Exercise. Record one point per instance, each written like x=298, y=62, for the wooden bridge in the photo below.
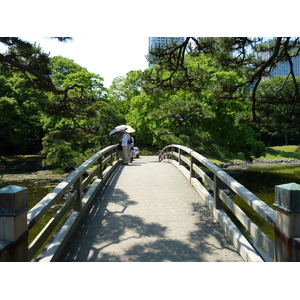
x=159, y=208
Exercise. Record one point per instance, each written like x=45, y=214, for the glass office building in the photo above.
x=282, y=68
x=160, y=42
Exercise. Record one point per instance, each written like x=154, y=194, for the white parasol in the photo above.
x=129, y=129
x=118, y=129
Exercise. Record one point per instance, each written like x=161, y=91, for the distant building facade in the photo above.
x=160, y=42
x=282, y=68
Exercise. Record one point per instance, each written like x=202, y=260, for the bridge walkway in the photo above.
x=148, y=212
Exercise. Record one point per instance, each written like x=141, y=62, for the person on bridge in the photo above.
x=126, y=150
x=130, y=146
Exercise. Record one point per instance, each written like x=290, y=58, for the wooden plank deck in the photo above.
x=148, y=212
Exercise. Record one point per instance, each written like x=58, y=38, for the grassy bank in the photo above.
x=274, y=153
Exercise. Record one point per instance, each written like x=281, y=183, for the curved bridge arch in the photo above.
x=79, y=189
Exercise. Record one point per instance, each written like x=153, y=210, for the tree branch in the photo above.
x=282, y=86
x=258, y=75
x=25, y=68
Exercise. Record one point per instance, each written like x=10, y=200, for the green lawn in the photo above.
x=279, y=152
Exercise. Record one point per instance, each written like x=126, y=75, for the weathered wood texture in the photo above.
x=81, y=196
x=13, y=221
x=77, y=194
x=191, y=167
x=287, y=230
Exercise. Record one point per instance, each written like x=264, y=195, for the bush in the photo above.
x=61, y=155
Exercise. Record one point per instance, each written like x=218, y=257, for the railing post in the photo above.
x=168, y=153
x=13, y=224
x=287, y=227
x=119, y=154
x=192, y=171
x=111, y=157
x=78, y=188
x=179, y=156
x=100, y=173
x=217, y=185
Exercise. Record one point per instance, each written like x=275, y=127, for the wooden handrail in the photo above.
x=39, y=210
x=190, y=160
x=74, y=185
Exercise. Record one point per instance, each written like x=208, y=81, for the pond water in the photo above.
x=37, y=190
x=261, y=179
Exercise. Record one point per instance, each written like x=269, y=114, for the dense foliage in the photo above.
x=278, y=111
x=67, y=126
x=20, y=114
x=206, y=97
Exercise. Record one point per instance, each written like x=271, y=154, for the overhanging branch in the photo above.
x=25, y=68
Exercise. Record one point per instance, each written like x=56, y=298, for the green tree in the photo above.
x=278, y=111
x=30, y=59
x=54, y=99
x=20, y=111
x=61, y=67
x=122, y=90
x=242, y=54
x=205, y=115
x=73, y=126
x=123, y=97
x=139, y=117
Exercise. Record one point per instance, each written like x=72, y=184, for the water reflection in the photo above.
x=37, y=189
x=261, y=179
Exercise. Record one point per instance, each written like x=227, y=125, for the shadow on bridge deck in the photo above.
x=148, y=212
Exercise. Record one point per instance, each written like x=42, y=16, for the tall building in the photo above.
x=282, y=68
x=160, y=42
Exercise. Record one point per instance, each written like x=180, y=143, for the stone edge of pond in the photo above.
x=293, y=161
x=41, y=175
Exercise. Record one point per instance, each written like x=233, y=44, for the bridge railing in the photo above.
x=73, y=197
x=216, y=191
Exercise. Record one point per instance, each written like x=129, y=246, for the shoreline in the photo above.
x=38, y=176
x=19, y=168
x=33, y=172
x=292, y=161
